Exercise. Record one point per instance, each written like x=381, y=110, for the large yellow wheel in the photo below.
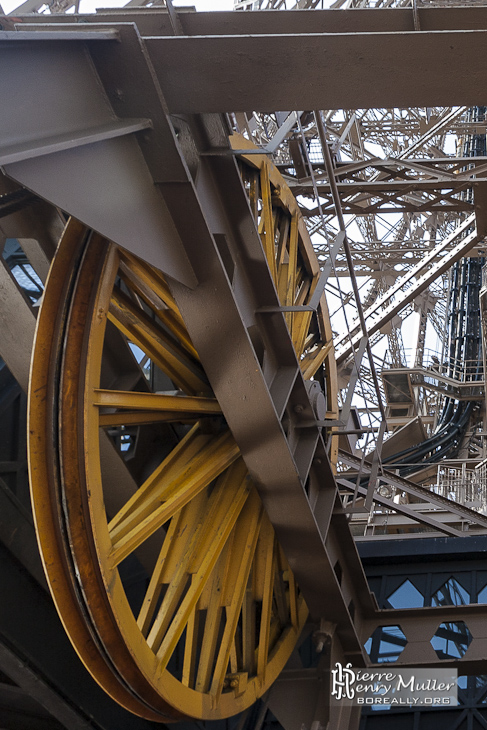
x=219, y=612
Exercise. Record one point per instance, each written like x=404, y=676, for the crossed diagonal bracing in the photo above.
x=412, y=186
x=461, y=514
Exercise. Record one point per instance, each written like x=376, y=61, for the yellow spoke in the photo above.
x=151, y=597
x=282, y=258
x=313, y=360
x=268, y=541
x=156, y=402
x=190, y=649
x=268, y=222
x=141, y=418
x=225, y=504
x=193, y=442
x=243, y=549
x=302, y=287
x=212, y=624
x=282, y=284
x=282, y=253
x=249, y=627
x=254, y=193
x=301, y=320
x=179, y=534
x=280, y=591
x=165, y=351
x=291, y=279
x=234, y=654
x=301, y=323
x=293, y=259
x=170, y=318
x=153, y=279
x=173, y=487
x=293, y=599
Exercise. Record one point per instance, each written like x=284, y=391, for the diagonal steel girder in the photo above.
x=440, y=168
x=401, y=509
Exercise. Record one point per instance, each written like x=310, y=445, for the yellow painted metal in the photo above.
x=172, y=492
x=42, y=459
x=268, y=543
x=141, y=418
x=156, y=402
x=233, y=592
x=294, y=267
x=221, y=612
x=146, y=283
x=165, y=352
x=267, y=221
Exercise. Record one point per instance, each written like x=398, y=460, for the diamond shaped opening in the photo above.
x=406, y=596
x=451, y=593
x=451, y=640
x=482, y=597
x=385, y=644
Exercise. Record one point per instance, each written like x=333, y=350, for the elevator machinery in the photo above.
x=183, y=410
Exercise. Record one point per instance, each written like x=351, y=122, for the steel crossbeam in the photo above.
x=432, y=379
x=437, y=170
x=435, y=69
x=419, y=625
x=394, y=197
x=351, y=47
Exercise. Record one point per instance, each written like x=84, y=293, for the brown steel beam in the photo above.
x=73, y=129
x=419, y=626
x=388, y=186
x=320, y=70
x=216, y=73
